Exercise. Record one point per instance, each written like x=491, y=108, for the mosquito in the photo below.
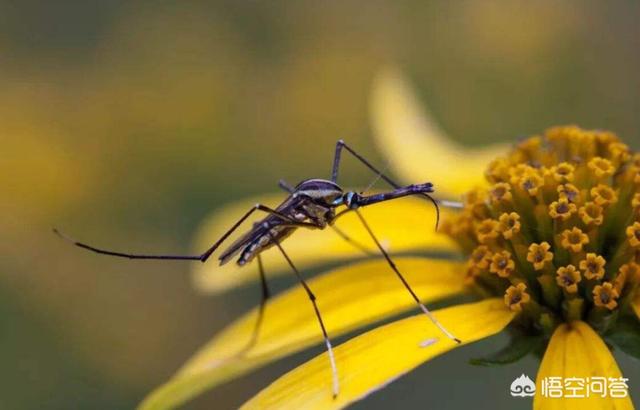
x=312, y=204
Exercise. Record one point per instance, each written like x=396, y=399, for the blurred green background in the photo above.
x=126, y=123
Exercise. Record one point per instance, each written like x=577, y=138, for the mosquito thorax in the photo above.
x=321, y=190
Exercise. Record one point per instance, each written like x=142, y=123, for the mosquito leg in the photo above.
x=403, y=280
x=204, y=256
x=312, y=298
x=282, y=184
x=352, y=241
x=336, y=165
x=265, y=294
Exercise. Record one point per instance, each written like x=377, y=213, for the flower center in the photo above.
x=557, y=233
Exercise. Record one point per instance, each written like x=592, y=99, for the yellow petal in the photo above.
x=406, y=224
x=371, y=361
x=418, y=150
x=575, y=350
x=348, y=297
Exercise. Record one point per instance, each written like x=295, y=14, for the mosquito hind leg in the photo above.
x=202, y=257
x=264, y=297
x=403, y=280
x=312, y=298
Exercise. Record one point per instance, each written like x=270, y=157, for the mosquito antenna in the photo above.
x=435, y=203
x=376, y=178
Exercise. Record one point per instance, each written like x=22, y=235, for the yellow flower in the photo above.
x=573, y=239
x=593, y=266
x=516, y=296
x=568, y=278
x=512, y=236
x=591, y=214
x=539, y=255
x=502, y=264
x=509, y=224
x=605, y=296
x=562, y=209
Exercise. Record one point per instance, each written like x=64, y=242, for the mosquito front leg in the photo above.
x=403, y=280
x=336, y=163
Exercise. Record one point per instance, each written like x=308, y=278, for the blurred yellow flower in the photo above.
x=522, y=235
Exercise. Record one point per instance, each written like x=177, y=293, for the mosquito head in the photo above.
x=321, y=191
x=351, y=200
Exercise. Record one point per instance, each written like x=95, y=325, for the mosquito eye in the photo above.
x=348, y=199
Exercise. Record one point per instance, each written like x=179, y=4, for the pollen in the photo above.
x=502, y=264
x=516, y=296
x=574, y=239
x=557, y=229
x=631, y=271
x=500, y=193
x=601, y=167
x=591, y=214
x=619, y=152
x=604, y=195
x=593, y=266
x=563, y=172
x=531, y=182
x=487, y=230
x=568, y=192
x=633, y=233
x=635, y=202
x=562, y=209
x=539, y=255
x=498, y=170
x=516, y=173
x=481, y=257
x=568, y=278
x=475, y=202
x=605, y=295
x=509, y=224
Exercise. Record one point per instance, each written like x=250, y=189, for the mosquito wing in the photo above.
x=258, y=231
x=254, y=234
